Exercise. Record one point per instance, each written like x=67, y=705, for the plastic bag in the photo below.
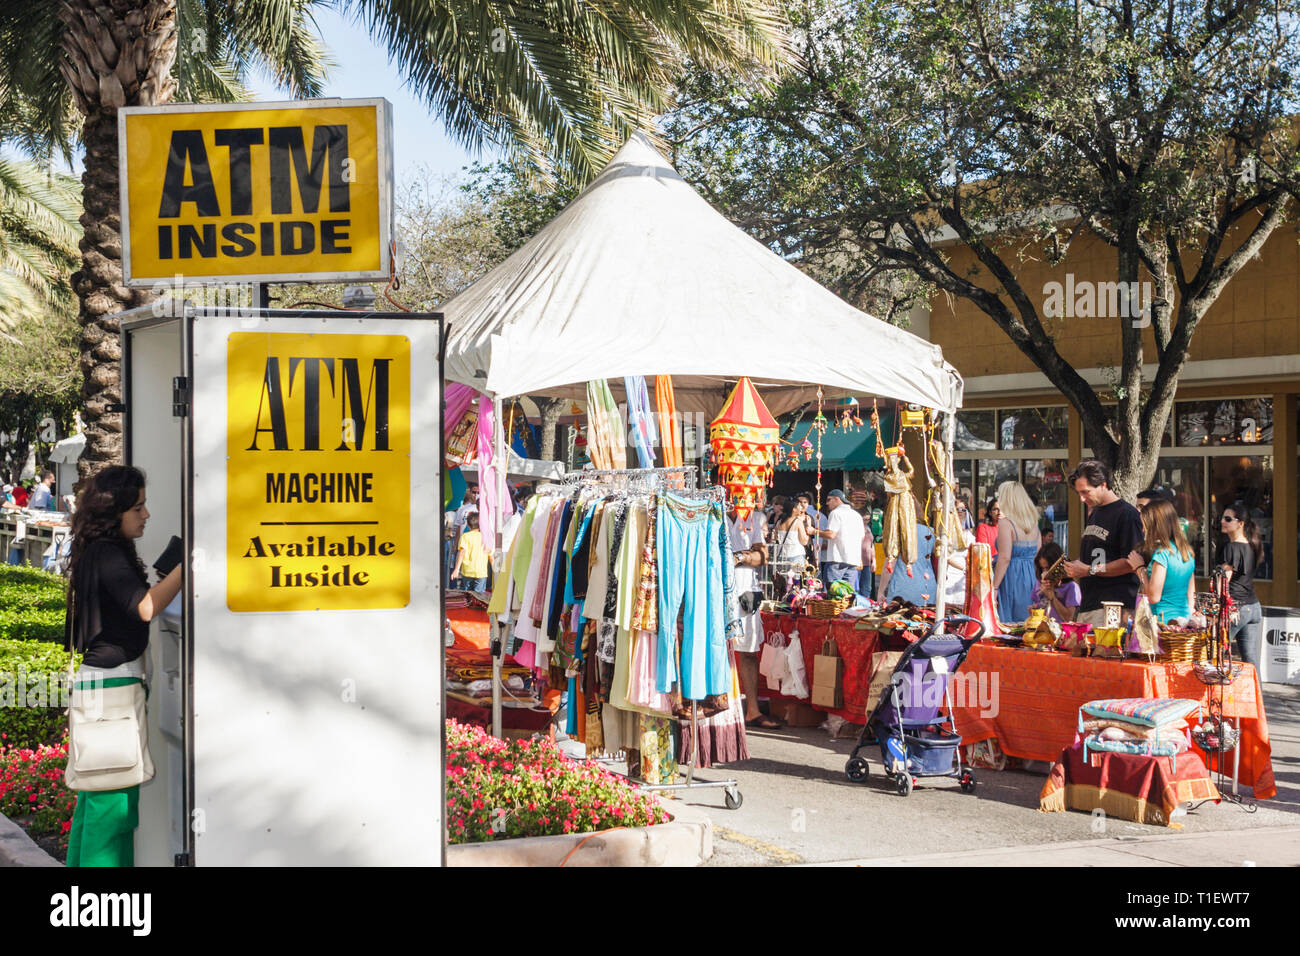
x=796, y=684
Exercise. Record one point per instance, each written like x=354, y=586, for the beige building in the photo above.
x=1233, y=434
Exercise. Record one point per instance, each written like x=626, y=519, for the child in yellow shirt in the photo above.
x=471, y=558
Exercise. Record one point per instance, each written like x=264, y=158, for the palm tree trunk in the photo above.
x=116, y=53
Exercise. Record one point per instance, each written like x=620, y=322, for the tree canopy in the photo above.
x=1165, y=128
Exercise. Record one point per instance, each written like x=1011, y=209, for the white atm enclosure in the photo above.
x=284, y=734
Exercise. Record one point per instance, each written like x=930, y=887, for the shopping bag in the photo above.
x=882, y=666
x=828, y=677
x=1146, y=632
x=796, y=683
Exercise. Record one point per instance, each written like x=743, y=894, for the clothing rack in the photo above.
x=644, y=480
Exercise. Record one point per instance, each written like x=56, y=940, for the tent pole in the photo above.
x=949, y=433
x=498, y=560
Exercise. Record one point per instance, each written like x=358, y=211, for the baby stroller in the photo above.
x=912, y=722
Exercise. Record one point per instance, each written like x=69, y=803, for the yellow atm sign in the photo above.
x=281, y=192
x=318, y=455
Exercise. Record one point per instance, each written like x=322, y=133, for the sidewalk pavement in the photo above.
x=1275, y=846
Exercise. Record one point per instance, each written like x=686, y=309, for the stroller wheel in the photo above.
x=857, y=769
x=967, y=782
x=903, y=783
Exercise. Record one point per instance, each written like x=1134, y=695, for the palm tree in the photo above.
x=558, y=82
x=38, y=241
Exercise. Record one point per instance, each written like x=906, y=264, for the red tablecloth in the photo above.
x=1141, y=789
x=855, y=646
x=1029, y=701
x=470, y=625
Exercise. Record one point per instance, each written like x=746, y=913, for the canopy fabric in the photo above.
x=640, y=276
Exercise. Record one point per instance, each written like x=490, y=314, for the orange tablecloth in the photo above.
x=470, y=625
x=1029, y=701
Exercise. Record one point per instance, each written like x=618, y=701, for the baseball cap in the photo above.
x=837, y=494
x=1157, y=491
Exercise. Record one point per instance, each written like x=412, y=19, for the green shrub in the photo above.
x=32, y=604
x=31, y=681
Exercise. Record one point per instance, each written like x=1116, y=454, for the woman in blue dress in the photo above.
x=1018, y=542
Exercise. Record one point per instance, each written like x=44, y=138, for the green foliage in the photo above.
x=915, y=127
x=32, y=604
x=39, y=233
x=32, y=692
x=521, y=203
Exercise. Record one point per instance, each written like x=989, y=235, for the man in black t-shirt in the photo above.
x=1112, y=536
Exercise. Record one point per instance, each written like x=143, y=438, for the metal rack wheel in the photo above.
x=733, y=798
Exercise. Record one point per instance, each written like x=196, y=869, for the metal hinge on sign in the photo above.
x=183, y=859
x=180, y=396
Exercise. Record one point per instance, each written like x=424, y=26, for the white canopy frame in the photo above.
x=638, y=275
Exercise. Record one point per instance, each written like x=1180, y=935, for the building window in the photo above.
x=1032, y=428
x=1185, y=477
x=976, y=430
x=1247, y=479
x=1234, y=421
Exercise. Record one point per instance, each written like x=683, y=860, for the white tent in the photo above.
x=640, y=276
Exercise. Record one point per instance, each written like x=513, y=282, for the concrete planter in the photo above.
x=686, y=840
x=18, y=849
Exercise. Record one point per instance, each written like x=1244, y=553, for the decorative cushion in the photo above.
x=1147, y=711
x=1152, y=748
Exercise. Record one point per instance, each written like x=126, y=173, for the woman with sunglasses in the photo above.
x=1240, y=555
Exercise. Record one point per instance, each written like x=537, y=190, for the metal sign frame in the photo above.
x=384, y=157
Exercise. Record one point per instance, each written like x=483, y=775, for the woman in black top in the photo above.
x=110, y=607
x=1239, y=555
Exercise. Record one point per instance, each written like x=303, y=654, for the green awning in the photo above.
x=848, y=450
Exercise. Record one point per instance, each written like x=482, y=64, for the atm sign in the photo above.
x=279, y=192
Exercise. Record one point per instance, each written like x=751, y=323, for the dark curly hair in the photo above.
x=105, y=497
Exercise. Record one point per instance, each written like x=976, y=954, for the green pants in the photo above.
x=103, y=828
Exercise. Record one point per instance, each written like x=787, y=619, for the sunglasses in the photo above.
x=1228, y=518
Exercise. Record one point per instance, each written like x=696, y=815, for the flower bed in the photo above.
x=498, y=790
x=32, y=794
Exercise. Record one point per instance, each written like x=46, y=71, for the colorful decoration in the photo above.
x=743, y=439
x=849, y=418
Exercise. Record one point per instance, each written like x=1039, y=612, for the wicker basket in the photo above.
x=828, y=607
x=1184, y=648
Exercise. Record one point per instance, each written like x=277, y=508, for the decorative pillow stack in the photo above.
x=1149, y=726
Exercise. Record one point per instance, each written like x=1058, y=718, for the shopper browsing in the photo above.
x=1018, y=542
x=1239, y=555
x=43, y=494
x=1060, y=600
x=1112, y=537
x=749, y=552
x=1171, y=575
x=842, y=557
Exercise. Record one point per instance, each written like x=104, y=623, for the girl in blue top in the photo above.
x=1171, y=574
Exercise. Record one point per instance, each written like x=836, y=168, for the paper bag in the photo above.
x=828, y=677
x=1109, y=642
x=882, y=666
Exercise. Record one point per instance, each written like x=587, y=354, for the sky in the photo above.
x=362, y=70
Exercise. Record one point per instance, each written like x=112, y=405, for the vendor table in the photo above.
x=855, y=645
x=1037, y=695
x=39, y=532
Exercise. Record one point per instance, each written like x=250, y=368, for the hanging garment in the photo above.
x=900, y=510
x=722, y=736
x=658, y=751
x=669, y=427
x=576, y=589
x=598, y=576
x=605, y=443
x=641, y=420
x=617, y=532
x=934, y=511
x=555, y=604
x=519, y=567
x=980, y=603
x=629, y=564
x=691, y=583
x=525, y=629
x=643, y=690
x=645, y=615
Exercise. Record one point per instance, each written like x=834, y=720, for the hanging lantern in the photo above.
x=807, y=447
x=743, y=438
